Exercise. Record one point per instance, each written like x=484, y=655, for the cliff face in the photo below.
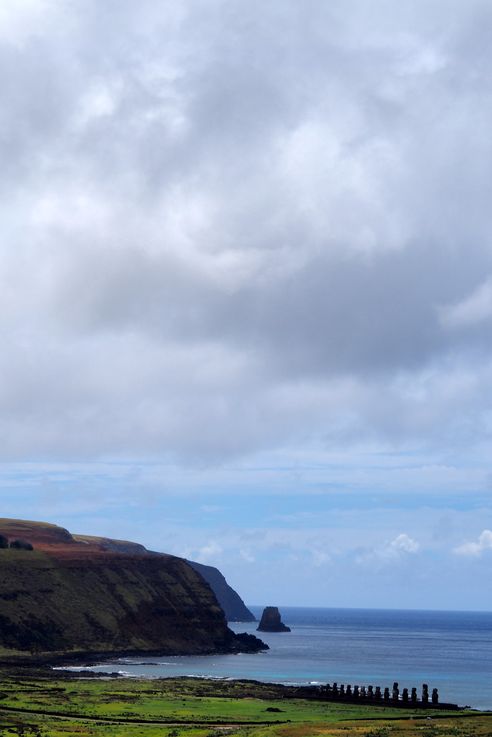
x=234, y=607
x=88, y=595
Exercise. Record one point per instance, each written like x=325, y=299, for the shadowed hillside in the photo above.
x=77, y=594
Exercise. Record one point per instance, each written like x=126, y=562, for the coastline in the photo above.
x=63, y=703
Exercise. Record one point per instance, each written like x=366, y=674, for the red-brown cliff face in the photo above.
x=80, y=594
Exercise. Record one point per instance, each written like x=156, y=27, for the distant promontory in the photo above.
x=234, y=607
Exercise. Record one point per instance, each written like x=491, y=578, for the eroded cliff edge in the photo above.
x=82, y=595
x=234, y=607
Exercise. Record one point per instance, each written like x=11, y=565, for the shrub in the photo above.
x=21, y=545
x=4, y=543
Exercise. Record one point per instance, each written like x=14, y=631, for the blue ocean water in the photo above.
x=451, y=651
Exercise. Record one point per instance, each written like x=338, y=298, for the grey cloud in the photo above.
x=228, y=227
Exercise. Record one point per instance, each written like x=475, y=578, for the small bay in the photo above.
x=451, y=651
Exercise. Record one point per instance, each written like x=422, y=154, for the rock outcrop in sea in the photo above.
x=78, y=595
x=271, y=621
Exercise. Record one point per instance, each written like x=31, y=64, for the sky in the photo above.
x=246, y=288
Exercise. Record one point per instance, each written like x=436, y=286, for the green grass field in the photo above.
x=45, y=707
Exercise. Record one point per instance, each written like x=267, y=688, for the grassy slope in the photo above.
x=102, y=708
x=110, y=603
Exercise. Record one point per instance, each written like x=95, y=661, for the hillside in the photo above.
x=80, y=594
x=234, y=607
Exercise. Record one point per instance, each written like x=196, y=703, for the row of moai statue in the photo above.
x=374, y=694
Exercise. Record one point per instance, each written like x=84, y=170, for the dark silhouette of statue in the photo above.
x=374, y=694
x=396, y=691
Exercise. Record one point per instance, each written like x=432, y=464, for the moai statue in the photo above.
x=356, y=692
x=414, y=696
x=348, y=690
x=404, y=696
x=363, y=692
x=370, y=692
x=377, y=695
x=396, y=691
x=342, y=690
x=386, y=696
x=334, y=690
x=435, y=696
x=425, y=693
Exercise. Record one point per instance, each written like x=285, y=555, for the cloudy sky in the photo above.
x=246, y=288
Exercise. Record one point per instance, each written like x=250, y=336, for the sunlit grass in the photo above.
x=191, y=708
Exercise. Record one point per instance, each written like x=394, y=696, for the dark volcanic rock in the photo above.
x=271, y=621
x=247, y=643
x=234, y=607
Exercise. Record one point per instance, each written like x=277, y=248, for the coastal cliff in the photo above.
x=234, y=607
x=82, y=595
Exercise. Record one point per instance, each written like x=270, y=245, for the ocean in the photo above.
x=451, y=651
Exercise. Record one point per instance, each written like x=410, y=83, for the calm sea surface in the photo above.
x=448, y=650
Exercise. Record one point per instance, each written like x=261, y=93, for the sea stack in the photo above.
x=271, y=621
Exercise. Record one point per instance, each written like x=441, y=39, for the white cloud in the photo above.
x=404, y=543
x=320, y=557
x=20, y=21
x=472, y=310
x=208, y=553
x=247, y=555
x=390, y=552
x=475, y=549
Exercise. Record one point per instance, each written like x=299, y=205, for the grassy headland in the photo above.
x=79, y=595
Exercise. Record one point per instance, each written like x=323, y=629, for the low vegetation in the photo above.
x=66, y=706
